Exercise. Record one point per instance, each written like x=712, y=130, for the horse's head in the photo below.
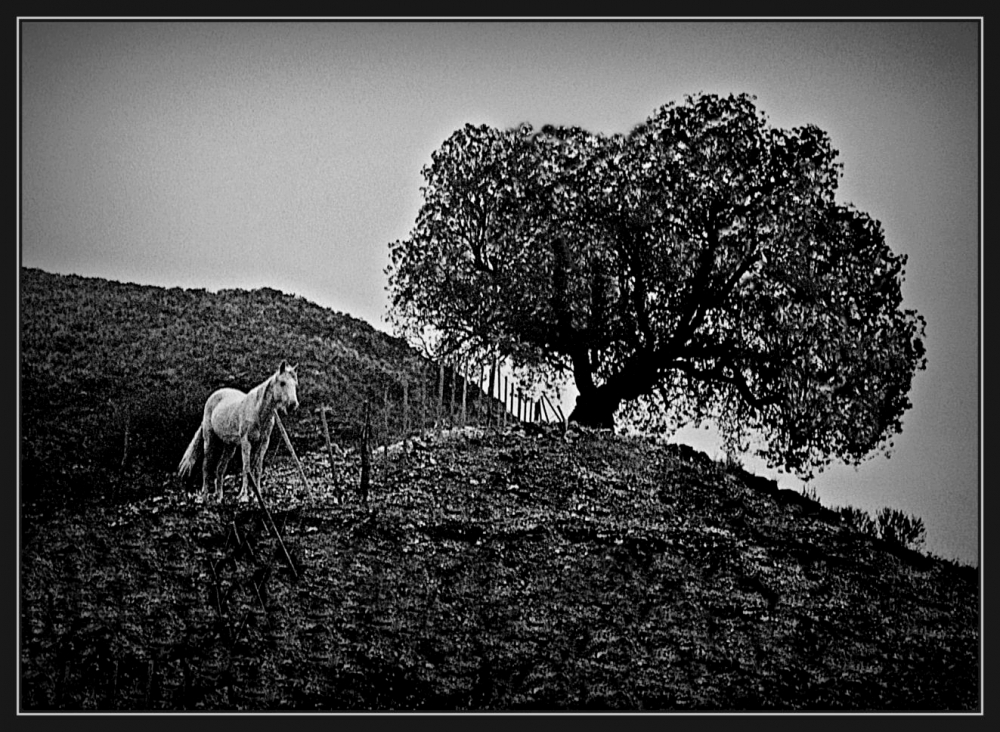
x=286, y=382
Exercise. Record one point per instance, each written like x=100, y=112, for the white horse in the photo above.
x=233, y=419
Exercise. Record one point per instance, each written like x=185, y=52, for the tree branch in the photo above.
x=737, y=380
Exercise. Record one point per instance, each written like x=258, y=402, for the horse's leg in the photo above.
x=258, y=462
x=220, y=473
x=245, y=444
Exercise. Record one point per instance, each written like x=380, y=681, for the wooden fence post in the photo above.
x=406, y=413
x=277, y=534
x=482, y=391
x=451, y=408
x=385, y=426
x=545, y=410
x=492, y=392
x=329, y=445
x=288, y=444
x=366, y=458
x=440, y=404
x=423, y=398
x=556, y=409
x=513, y=402
x=465, y=386
x=504, y=400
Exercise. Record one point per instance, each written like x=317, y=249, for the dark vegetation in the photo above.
x=530, y=569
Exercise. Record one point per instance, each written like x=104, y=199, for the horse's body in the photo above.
x=233, y=420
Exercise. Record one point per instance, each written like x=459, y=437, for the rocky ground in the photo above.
x=517, y=571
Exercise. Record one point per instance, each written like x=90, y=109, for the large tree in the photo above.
x=696, y=268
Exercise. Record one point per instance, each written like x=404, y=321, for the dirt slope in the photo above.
x=490, y=572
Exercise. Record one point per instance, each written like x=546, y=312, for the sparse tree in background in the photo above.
x=696, y=268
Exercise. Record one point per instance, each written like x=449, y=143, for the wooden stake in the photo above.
x=451, y=409
x=465, y=387
x=406, y=415
x=492, y=393
x=288, y=444
x=329, y=445
x=482, y=390
x=423, y=398
x=440, y=405
x=504, y=400
x=385, y=427
x=556, y=409
x=366, y=458
x=274, y=528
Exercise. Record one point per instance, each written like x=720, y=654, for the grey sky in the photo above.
x=288, y=155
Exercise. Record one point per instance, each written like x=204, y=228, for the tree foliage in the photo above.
x=696, y=268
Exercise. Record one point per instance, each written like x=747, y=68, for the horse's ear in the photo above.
x=283, y=367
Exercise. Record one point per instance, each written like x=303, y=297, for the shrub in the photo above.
x=890, y=525
x=858, y=520
x=898, y=528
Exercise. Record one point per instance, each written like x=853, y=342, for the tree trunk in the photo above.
x=596, y=408
x=596, y=405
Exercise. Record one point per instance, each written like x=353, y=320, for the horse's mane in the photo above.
x=259, y=392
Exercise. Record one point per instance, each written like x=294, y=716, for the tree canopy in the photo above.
x=698, y=267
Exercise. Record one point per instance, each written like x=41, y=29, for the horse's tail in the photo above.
x=191, y=456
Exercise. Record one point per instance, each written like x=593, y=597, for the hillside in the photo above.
x=527, y=569
x=114, y=376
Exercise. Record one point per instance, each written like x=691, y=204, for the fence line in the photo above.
x=452, y=395
x=494, y=402
x=460, y=394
